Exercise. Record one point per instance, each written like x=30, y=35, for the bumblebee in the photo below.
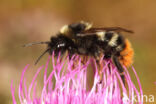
x=83, y=39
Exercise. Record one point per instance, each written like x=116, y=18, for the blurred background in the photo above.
x=25, y=21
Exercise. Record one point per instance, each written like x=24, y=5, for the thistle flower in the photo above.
x=70, y=85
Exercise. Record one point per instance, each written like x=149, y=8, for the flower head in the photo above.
x=70, y=85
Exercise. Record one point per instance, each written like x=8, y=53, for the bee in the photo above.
x=83, y=39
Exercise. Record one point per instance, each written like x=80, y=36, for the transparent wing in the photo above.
x=94, y=30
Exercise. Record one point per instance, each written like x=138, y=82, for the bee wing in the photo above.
x=93, y=31
x=117, y=29
x=85, y=34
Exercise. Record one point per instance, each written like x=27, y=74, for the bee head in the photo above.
x=75, y=27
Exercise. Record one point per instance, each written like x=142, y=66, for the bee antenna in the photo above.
x=34, y=43
x=41, y=56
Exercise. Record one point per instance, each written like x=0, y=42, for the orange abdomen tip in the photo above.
x=126, y=55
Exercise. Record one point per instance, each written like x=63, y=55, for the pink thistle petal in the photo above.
x=20, y=91
x=25, y=89
x=71, y=82
x=141, y=92
x=13, y=93
x=46, y=67
x=34, y=78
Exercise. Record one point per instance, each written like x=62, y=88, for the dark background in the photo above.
x=24, y=21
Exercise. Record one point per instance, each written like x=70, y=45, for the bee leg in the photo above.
x=70, y=54
x=99, y=71
x=107, y=56
x=71, y=51
x=99, y=66
x=119, y=67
